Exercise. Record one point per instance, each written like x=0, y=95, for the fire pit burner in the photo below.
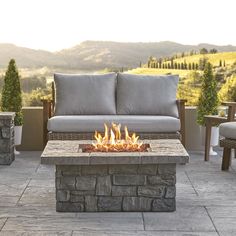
x=90, y=148
x=112, y=141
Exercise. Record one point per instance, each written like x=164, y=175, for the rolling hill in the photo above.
x=28, y=58
x=94, y=55
x=214, y=59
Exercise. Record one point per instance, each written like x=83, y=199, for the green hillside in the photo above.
x=214, y=59
x=190, y=80
x=97, y=55
x=152, y=71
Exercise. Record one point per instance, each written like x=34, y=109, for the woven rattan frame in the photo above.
x=89, y=136
x=228, y=143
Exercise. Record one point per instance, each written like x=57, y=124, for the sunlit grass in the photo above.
x=152, y=71
x=228, y=57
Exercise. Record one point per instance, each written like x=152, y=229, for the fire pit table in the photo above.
x=115, y=181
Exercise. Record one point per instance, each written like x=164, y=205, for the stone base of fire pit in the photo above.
x=115, y=188
x=138, y=181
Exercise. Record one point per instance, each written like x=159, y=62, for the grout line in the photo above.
x=72, y=232
x=36, y=170
x=144, y=227
x=191, y=183
x=23, y=191
x=133, y=230
x=212, y=221
x=4, y=224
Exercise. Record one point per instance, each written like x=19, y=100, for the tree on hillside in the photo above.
x=202, y=63
x=220, y=63
x=175, y=65
x=185, y=65
x=150, y=60
x=160, y=63
x=172, y=62
x=213, y=51
x=189, y=66
x=203, y=51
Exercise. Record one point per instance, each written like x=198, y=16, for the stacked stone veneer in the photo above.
x=92, y=188
x=7, y=138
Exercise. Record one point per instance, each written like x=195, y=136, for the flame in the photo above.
x=112, y=140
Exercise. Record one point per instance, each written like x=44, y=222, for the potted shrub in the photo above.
x=12, y=98
x=208, y=104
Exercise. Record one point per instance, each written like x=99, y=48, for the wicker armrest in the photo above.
x=48, y=108
x=181, y=109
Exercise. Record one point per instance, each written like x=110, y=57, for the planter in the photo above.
x=17, y=136
x=214, y=138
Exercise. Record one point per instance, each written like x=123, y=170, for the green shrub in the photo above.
x=227, y=92
x=34, y=98
x=11, y=93
x=208, y=100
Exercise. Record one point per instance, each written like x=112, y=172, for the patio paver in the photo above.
x=190, y=219
x=35, y=233
x=206, y=204
x=142, y=233
x=2, y=222
x=122, y=222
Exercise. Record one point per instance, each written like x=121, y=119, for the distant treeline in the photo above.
x=170, y=63
x=33, y=89
x=159, y=64
x=29, y=83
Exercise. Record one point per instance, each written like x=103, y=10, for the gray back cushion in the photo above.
x=147, y=94
x=85, y=94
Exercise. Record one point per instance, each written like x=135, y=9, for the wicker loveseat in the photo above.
x=81, y=104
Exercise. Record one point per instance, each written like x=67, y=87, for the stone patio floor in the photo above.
x=206, y=204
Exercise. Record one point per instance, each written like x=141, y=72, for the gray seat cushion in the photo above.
x=85, y=94
x=149, y=124
x=228, y=130
x=147, y=94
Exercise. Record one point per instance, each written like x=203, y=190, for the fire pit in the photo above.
x=112, y=141
x=103, y=175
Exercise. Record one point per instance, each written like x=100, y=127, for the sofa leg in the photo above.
x=226, y=159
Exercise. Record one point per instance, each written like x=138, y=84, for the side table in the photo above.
x=213, y=120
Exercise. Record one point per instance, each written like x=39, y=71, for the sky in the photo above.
x=56, y=24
